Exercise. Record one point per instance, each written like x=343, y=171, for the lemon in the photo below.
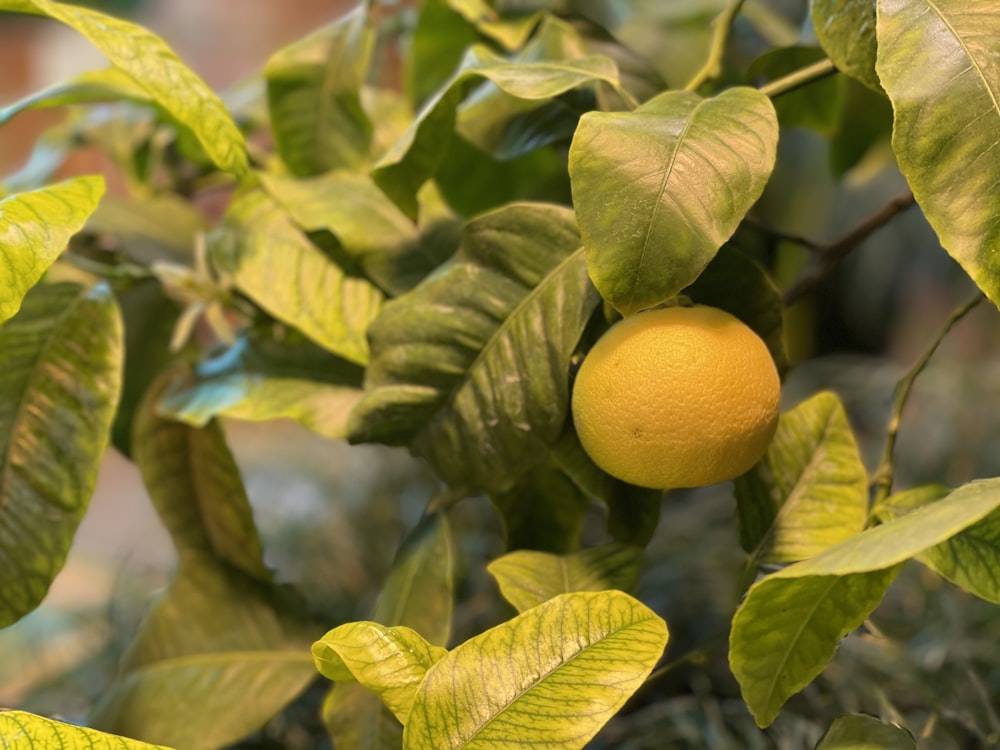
x=677, y=397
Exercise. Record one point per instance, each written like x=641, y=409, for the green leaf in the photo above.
x=416, y=156
x=260, y=380
x=34, y=230
x=390, y=661
x=938, y=63
x=355, y=717
x=809, y=492
x=659, y=190
x=153, y=66
x=515, y=684
x=736, y=283
x=970, y=559
x=196, y=488
x=860, y=732
x=387, y=245
x=23, y=731
x=111, y=84
x=528, y=578
x=60, y=378
x=865, y=124
x=846, y=30
x=437, y=45
x=816, y=106
x=150, y=228
x=471, y=367
x=633, y=512
x=419, y=591
x=218, y=656
x=313, y=89
x=511, y=33
x=417, y=594
x=274, y=264
x=542, y=510
x=791, y=622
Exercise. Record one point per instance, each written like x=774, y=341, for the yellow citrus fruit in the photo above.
x=677, y=397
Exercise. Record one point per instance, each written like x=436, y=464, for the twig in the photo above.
x=882, y=480
x=721, y=28
x=799, y=78
x=830, y=254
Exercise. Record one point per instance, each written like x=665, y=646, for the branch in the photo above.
x=721, y=26
x=799, y=78
x=882, y=480
x=828, y=255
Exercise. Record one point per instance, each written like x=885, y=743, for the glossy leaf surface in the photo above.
x=809, y=492
x=314, y=93
x=938, y=62
x=34, y=230
x=846, y=29
x=970, y=559
x=390, y=661
x=658, y=190
x=60, y=379
x=528, y=578
x=271, y=261
x=549, y=678
x=790, y=622
x=20, y=730
x=471, y=367
x=157, y=69
x=414, y=158
x=262, y=380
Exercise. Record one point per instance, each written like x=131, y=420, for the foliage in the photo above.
x=425, y=266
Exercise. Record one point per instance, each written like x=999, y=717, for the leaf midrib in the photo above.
x=932, y=4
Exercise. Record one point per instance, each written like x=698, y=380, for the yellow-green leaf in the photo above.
x=34, y=230
x=860, y=732
x=23, y=731
x=390, y=661
x=157, y=69
x=528, y=578
x=550, y=678
x=939, y=62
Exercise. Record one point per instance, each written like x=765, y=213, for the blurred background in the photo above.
x=332, y=515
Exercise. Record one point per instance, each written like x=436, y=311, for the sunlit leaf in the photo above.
x=112, y=84
x=846, y=30
x=809, y=492
x=260, y=380
x=313, y=89
x=218, y=656
x=970, y=559
x=528, y=578
x=388, y=246
x=23, y=731
x=415, y=157
x=471, y=367
x=938, y=62
x=658, y=190
x=60, y=378
x=511, y=33
x=271, y=261
x=542, y=510
x=390, y=661
x=153, y=66
x=34, y=230
x=860, y=732
x=791, y=622
x=515, y=684
x=196, y=488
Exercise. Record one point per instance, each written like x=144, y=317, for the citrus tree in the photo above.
x=433, y=220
